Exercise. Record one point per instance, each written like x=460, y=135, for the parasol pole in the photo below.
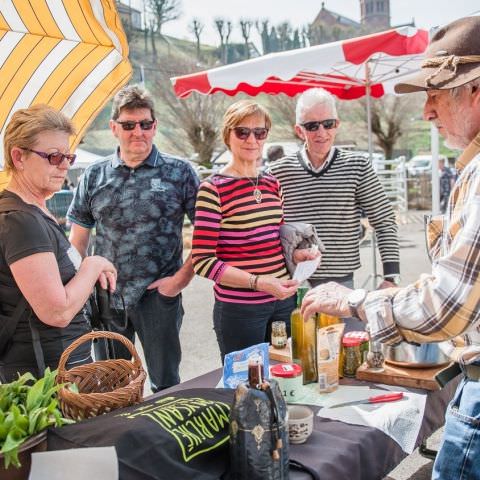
x=435, y=176
x=374, y=274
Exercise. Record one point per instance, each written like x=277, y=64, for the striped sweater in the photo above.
x=232, y=229
x=332, y=200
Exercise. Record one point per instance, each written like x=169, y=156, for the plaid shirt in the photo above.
x=444, y=305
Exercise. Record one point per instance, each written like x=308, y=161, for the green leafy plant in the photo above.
x=27, y=406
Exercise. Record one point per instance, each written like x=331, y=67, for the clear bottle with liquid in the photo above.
x=304, y=340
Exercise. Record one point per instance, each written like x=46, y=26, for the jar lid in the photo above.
x=351, y=342
x=362, y=335
x=286, y=370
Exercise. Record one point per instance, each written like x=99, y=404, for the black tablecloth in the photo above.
x=340, y=451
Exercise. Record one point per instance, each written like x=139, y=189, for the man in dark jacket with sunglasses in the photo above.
x=137, y=199
x=329, y=187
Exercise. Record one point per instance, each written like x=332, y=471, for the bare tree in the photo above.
x=224, y=29
x=152, y=29
x=282, y=108
x=220, y=26
x=246, y=26
x=284, y=36
x=196, y=27
x=262, y=29
x=164, y=11
x=196, y=118
x=390, y=119
x=227, y=40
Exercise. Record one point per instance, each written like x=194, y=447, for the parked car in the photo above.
x=421, y=164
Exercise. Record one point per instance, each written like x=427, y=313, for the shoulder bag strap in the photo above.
x=20, y=309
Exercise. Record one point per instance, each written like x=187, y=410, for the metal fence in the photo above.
x=59, y=204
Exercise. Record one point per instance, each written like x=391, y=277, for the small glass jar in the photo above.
x=352, y=357
x=375, y=357
x=364, y=345
x=290, y=380
x=279, y=334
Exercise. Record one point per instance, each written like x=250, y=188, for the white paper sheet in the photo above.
x=309, y=395
x=401, y=420
x=305, y=269
x=98, y=463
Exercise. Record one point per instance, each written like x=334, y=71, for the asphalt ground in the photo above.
x=201, y=353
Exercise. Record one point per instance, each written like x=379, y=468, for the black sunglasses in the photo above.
x=242, y=133
x=55, y=158
x=130, y=124
x=315, y=125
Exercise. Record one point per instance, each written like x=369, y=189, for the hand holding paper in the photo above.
x=305, y=269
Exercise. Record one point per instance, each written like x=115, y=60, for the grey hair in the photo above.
x=455, y=92
x=132, y=97
x=311, y=98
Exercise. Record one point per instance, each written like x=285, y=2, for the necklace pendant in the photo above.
x=257, y=194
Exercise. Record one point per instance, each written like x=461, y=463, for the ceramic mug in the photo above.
x=300, y=423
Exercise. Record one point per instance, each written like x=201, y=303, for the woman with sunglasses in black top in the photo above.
x=44, y=283
x=236, y=240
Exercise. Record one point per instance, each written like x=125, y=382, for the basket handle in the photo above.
x=97, y=334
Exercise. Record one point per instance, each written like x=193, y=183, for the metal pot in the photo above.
x=415, y=356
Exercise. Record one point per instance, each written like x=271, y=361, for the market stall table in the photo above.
x=338, y=450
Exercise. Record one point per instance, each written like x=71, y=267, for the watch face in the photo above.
x=357, y=296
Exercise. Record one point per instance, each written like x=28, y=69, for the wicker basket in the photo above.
x=103, y=386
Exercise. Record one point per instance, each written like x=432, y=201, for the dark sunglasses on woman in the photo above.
x=55, y=158
x=242, y=133
x=130, y=124
x=315, y=125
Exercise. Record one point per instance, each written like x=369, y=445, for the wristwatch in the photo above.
x=393, y=278
x=355, y=299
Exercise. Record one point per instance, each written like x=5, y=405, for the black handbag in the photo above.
x=258, y=434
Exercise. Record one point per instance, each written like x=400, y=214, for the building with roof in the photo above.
x=330, y=26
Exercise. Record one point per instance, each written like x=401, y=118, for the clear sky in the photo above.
x=427, y=13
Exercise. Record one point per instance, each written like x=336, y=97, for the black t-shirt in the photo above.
x=25, y=233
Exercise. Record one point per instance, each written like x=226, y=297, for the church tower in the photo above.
x=375, y=14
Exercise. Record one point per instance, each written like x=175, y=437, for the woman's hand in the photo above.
x=277, y=287
x=107, y=273
x=303, y=254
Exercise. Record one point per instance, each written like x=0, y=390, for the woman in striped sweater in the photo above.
x=236, y=240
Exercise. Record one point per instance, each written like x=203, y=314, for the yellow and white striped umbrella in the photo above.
x=71, y=54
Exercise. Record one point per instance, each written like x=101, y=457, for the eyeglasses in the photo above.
x=315, y=125
x=242, y=133
x=55, y=158
x=130, y=124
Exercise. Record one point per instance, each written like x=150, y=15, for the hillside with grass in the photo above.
x=169, y=55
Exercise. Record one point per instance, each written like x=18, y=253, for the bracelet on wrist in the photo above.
x=255, y=283
x=251, y=281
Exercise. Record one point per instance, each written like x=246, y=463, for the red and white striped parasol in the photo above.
x=345, y=68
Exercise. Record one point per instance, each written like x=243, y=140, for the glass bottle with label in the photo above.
x=304, y=340
x=375, y=357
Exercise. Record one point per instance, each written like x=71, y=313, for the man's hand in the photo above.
x=167, y=286
x=387, y=284
x=330, y=298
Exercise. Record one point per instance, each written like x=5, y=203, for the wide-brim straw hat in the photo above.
x=451, y=60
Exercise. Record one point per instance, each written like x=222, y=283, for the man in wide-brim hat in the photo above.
x=443, y=305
